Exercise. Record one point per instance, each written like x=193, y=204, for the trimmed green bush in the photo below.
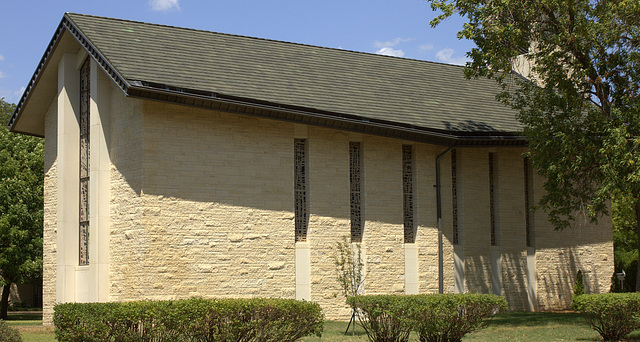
x=578, y=287
x=435, y=317
x=8, y=334
x=448, y=317
x=383, y=317
x=612, y=315
x=257, y=319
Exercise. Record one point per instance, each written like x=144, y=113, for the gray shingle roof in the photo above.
x=402, y=90
x=410, y=93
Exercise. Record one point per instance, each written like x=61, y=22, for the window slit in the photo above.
x=84, y=163
x=355, y=184
x=408, y=195
x=300, y=189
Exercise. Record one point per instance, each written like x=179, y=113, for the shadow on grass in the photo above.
x=24, y=316
x=533, y=319
x=335, y=328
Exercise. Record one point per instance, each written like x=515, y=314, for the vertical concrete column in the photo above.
x=411, y=278
x=99, y=186
x=458, y=268
x=532, y=282
x=496, y=270
x=303, y=271
x=68, y=177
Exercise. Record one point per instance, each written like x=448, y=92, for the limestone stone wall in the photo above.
x=329, y=209
x=210, y=214
x=202, y=205
x=474, y=218
x=49, y=242
x=126, y=205
x=510, y=213
x=384, y=232
x=559, y=256
x=426, y=216
x=214, y=201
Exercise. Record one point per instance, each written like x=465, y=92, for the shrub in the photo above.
x=435, y=317
x=383, y=317
x=221, y=320
x=259, y=320
x=8, y=334
x=612, y=315
x=448, y=317
x=578, y=287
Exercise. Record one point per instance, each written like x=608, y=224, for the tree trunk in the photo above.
x=4, y=304
x=637, y=207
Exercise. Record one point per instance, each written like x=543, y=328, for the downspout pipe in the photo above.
x=439, y=216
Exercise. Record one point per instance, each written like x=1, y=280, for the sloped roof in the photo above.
x=282, y=80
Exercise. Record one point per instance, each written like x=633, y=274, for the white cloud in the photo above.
x=390, y=43
x=164, y=5
x=387, y=51
x=1, y=58
x=19, y=91
x=446, y=56
x=2, y=75
x=426, y=47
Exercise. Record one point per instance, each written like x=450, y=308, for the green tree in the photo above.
x=21, y=207
x=581, y=107
x=625, y=243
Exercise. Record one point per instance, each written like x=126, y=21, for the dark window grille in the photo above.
x=527, y=204
x=85, y=97
x=300, y=189
x=408, y=198
x=492, y=207
x=454, y=195
x=355, y=184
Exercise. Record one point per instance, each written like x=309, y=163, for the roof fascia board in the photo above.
x=104, y=64
x=330, y=120
x=66, y=24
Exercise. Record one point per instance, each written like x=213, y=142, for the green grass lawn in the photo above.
x=30, y=327
x=513, y=326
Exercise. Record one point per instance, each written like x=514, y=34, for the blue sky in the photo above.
x=394, y=27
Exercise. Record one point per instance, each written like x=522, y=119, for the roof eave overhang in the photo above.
x=66, y=25
x=157, y=92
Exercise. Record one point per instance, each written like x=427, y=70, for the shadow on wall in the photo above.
x=556, y=274
x=477, y=273
x=514, y=280
x=556, y=280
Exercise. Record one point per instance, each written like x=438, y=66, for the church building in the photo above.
x=183, y=163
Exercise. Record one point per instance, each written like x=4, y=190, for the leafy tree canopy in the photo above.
x=580, y=107
x=21, y=205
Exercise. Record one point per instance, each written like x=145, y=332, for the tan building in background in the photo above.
x=183, y=163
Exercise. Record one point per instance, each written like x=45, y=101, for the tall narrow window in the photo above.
x=300, y=189
x=492, y=207
x=407, y=186
x=454, y=195
x=527, y=203
x=84, y=163
x=355, y=183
